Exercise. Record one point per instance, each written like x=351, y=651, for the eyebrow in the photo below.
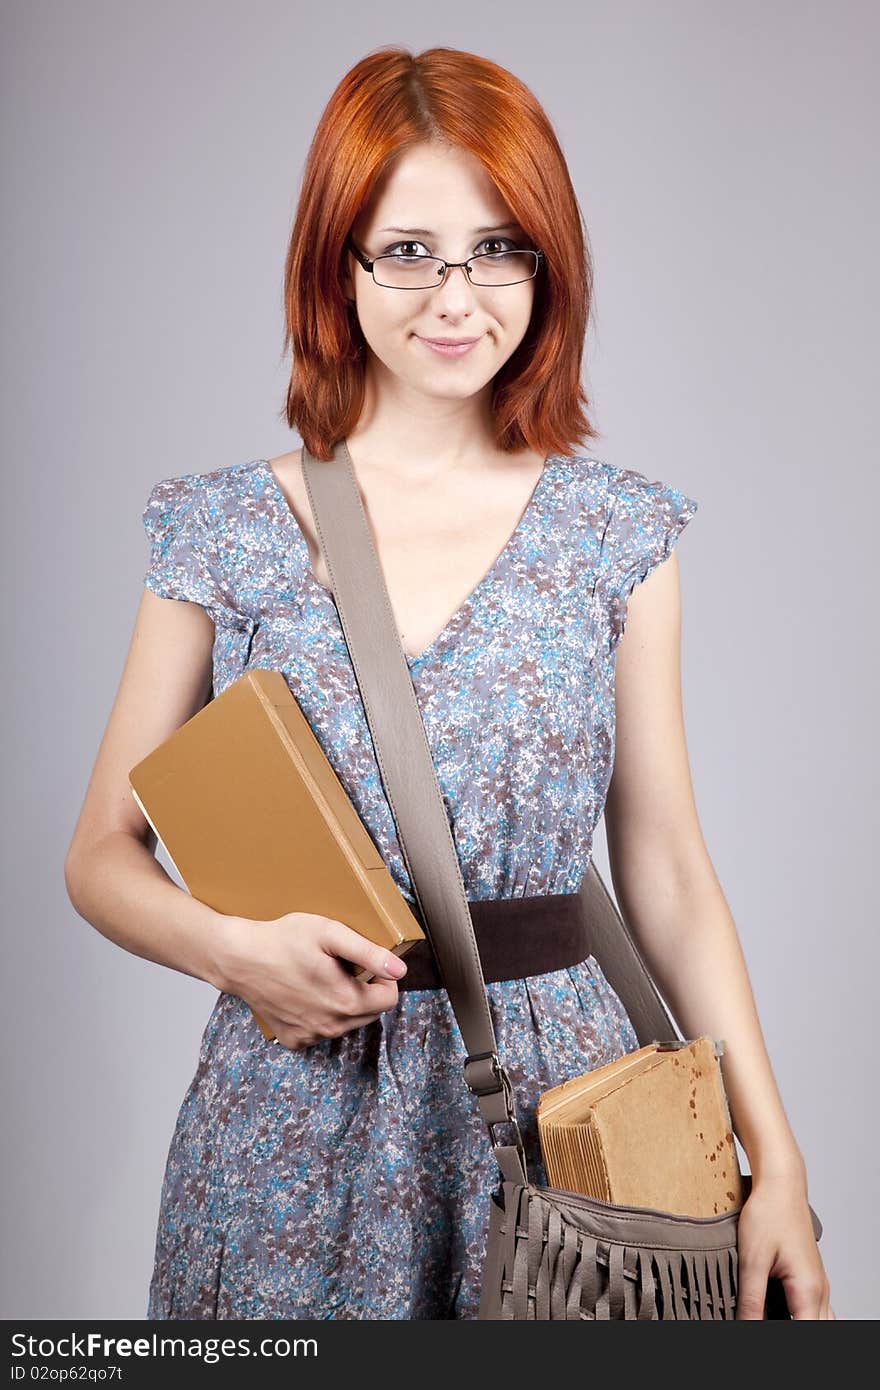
x=423, y=231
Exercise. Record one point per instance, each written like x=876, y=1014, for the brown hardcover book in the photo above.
x=650, y=1129
x=257, y=823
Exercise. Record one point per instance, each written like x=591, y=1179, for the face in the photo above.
x=447, y=194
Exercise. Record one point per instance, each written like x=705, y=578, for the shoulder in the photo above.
x=633, y=522
x=590, y=486
x=197, y=497
x=630, y=505
x=586, y=489
x=624, y=486
x=206, y=487
x=201, y=537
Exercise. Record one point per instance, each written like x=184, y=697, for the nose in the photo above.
x=455, y=291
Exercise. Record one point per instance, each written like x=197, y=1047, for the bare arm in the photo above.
x=665, y=881
x=111, y=874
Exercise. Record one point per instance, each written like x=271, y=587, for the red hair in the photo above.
x=388, y=102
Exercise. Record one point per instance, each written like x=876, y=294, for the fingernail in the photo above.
x=394, y=966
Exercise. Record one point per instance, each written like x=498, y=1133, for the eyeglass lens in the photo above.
x=421, y=272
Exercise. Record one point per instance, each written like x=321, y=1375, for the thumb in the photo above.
x=344, y=941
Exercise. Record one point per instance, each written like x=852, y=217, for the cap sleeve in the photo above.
x=646, y=519
x=183, y=557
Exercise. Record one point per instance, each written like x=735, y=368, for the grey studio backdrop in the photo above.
x=151, y=161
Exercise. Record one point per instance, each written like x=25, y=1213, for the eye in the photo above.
x=490, y=246
x=496, y=242
x=395, y=249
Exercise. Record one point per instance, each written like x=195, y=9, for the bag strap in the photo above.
x=419, y=812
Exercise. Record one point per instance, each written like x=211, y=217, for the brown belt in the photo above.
x=515, y=937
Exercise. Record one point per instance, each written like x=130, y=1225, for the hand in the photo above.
x=290, y=971
x=775, y=1236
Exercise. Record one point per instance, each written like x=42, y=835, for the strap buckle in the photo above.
x=480, y=1079
x=487, y=1079
x=514, y=1139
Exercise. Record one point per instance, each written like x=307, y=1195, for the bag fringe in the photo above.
x=553, y=1270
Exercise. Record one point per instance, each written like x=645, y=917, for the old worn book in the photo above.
x=257, y=823
x=650, y=1129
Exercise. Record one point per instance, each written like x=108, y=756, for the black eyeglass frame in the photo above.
x=368, y=264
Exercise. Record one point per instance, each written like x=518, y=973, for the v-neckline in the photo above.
x=466, y=606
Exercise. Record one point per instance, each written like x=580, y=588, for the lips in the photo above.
x=449, y=342
x=458, y=348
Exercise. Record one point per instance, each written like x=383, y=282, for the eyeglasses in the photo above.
x=427, y=272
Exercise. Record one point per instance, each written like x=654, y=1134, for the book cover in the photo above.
x=257, y=823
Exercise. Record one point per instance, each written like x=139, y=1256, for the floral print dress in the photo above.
x=351, y=1178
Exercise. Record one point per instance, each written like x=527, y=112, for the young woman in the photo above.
x=438, y=290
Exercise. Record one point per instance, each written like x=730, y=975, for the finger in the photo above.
x=804, y=1302
x=287, y=1041
x=751, y=1293
x=376, y=994
x=373, y=997
x=340, y=940
x=351, y=999
x=353, y=1022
